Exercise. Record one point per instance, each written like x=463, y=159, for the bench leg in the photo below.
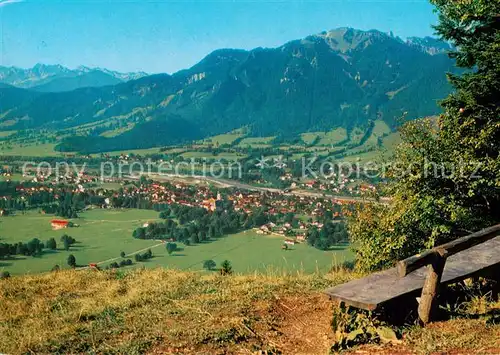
x=428, y=300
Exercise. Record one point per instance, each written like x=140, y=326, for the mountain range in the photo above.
x=56, y=78
x=340, y=78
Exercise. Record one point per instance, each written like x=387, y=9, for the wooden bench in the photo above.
x=466, y=257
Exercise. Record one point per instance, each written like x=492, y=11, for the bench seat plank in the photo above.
x=376, y=289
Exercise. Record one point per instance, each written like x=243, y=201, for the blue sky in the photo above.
x=165, y=36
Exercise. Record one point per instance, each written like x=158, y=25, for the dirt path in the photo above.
x=119, y=257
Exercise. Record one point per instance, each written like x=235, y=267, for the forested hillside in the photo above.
x=342, y=78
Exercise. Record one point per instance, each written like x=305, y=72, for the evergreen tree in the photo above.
x=71, y=261
x=226, y=268
x=470, y=126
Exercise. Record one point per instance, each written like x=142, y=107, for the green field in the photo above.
x=47, y=150
x=35, y=150
x=134, y=151
x=392, y=140
x=297, y=156
x=4, y=134
x=257, y=142
x=249, y=252
x=379, y=130
x=356, y=135
x=332, y=137
x=222, y=155
x=223, y=139
x=103, y=234
x=116, y=132
x=374, y=156
x=13, y=177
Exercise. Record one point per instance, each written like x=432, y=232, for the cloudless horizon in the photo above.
x=167, y=36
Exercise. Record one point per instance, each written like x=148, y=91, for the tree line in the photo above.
x=34, y=247
x=328, y=235
x=192, y=225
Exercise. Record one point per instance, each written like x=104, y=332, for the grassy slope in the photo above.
x=223, y=138
x=379, y=130
x=377, y=154
x=329, y=138
x=166, y=311
x=326, y=141
x=117, y=131
x=257, y=142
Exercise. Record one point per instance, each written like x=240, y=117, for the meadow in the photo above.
x=133, y=151
x=249, y=252
x=220, y=139
x=256, y=142
x=332, y=137
x=30, y=150
x=222, y=155
x=4, y=134
x=103, y=234
x=13, y=177
x=321, y=143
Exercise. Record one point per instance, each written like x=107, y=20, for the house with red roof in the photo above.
x=59, y=224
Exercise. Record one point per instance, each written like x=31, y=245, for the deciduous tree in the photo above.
x=209, y=264
x=447, y=178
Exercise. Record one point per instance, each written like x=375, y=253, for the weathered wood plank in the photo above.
x=415, y=262
x=376, y=289
x=430, y=290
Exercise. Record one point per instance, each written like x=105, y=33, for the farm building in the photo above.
x=59, y=224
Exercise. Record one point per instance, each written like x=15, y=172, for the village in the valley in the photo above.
x=291, y=213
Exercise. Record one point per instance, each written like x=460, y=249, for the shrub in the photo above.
x=209, y=264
